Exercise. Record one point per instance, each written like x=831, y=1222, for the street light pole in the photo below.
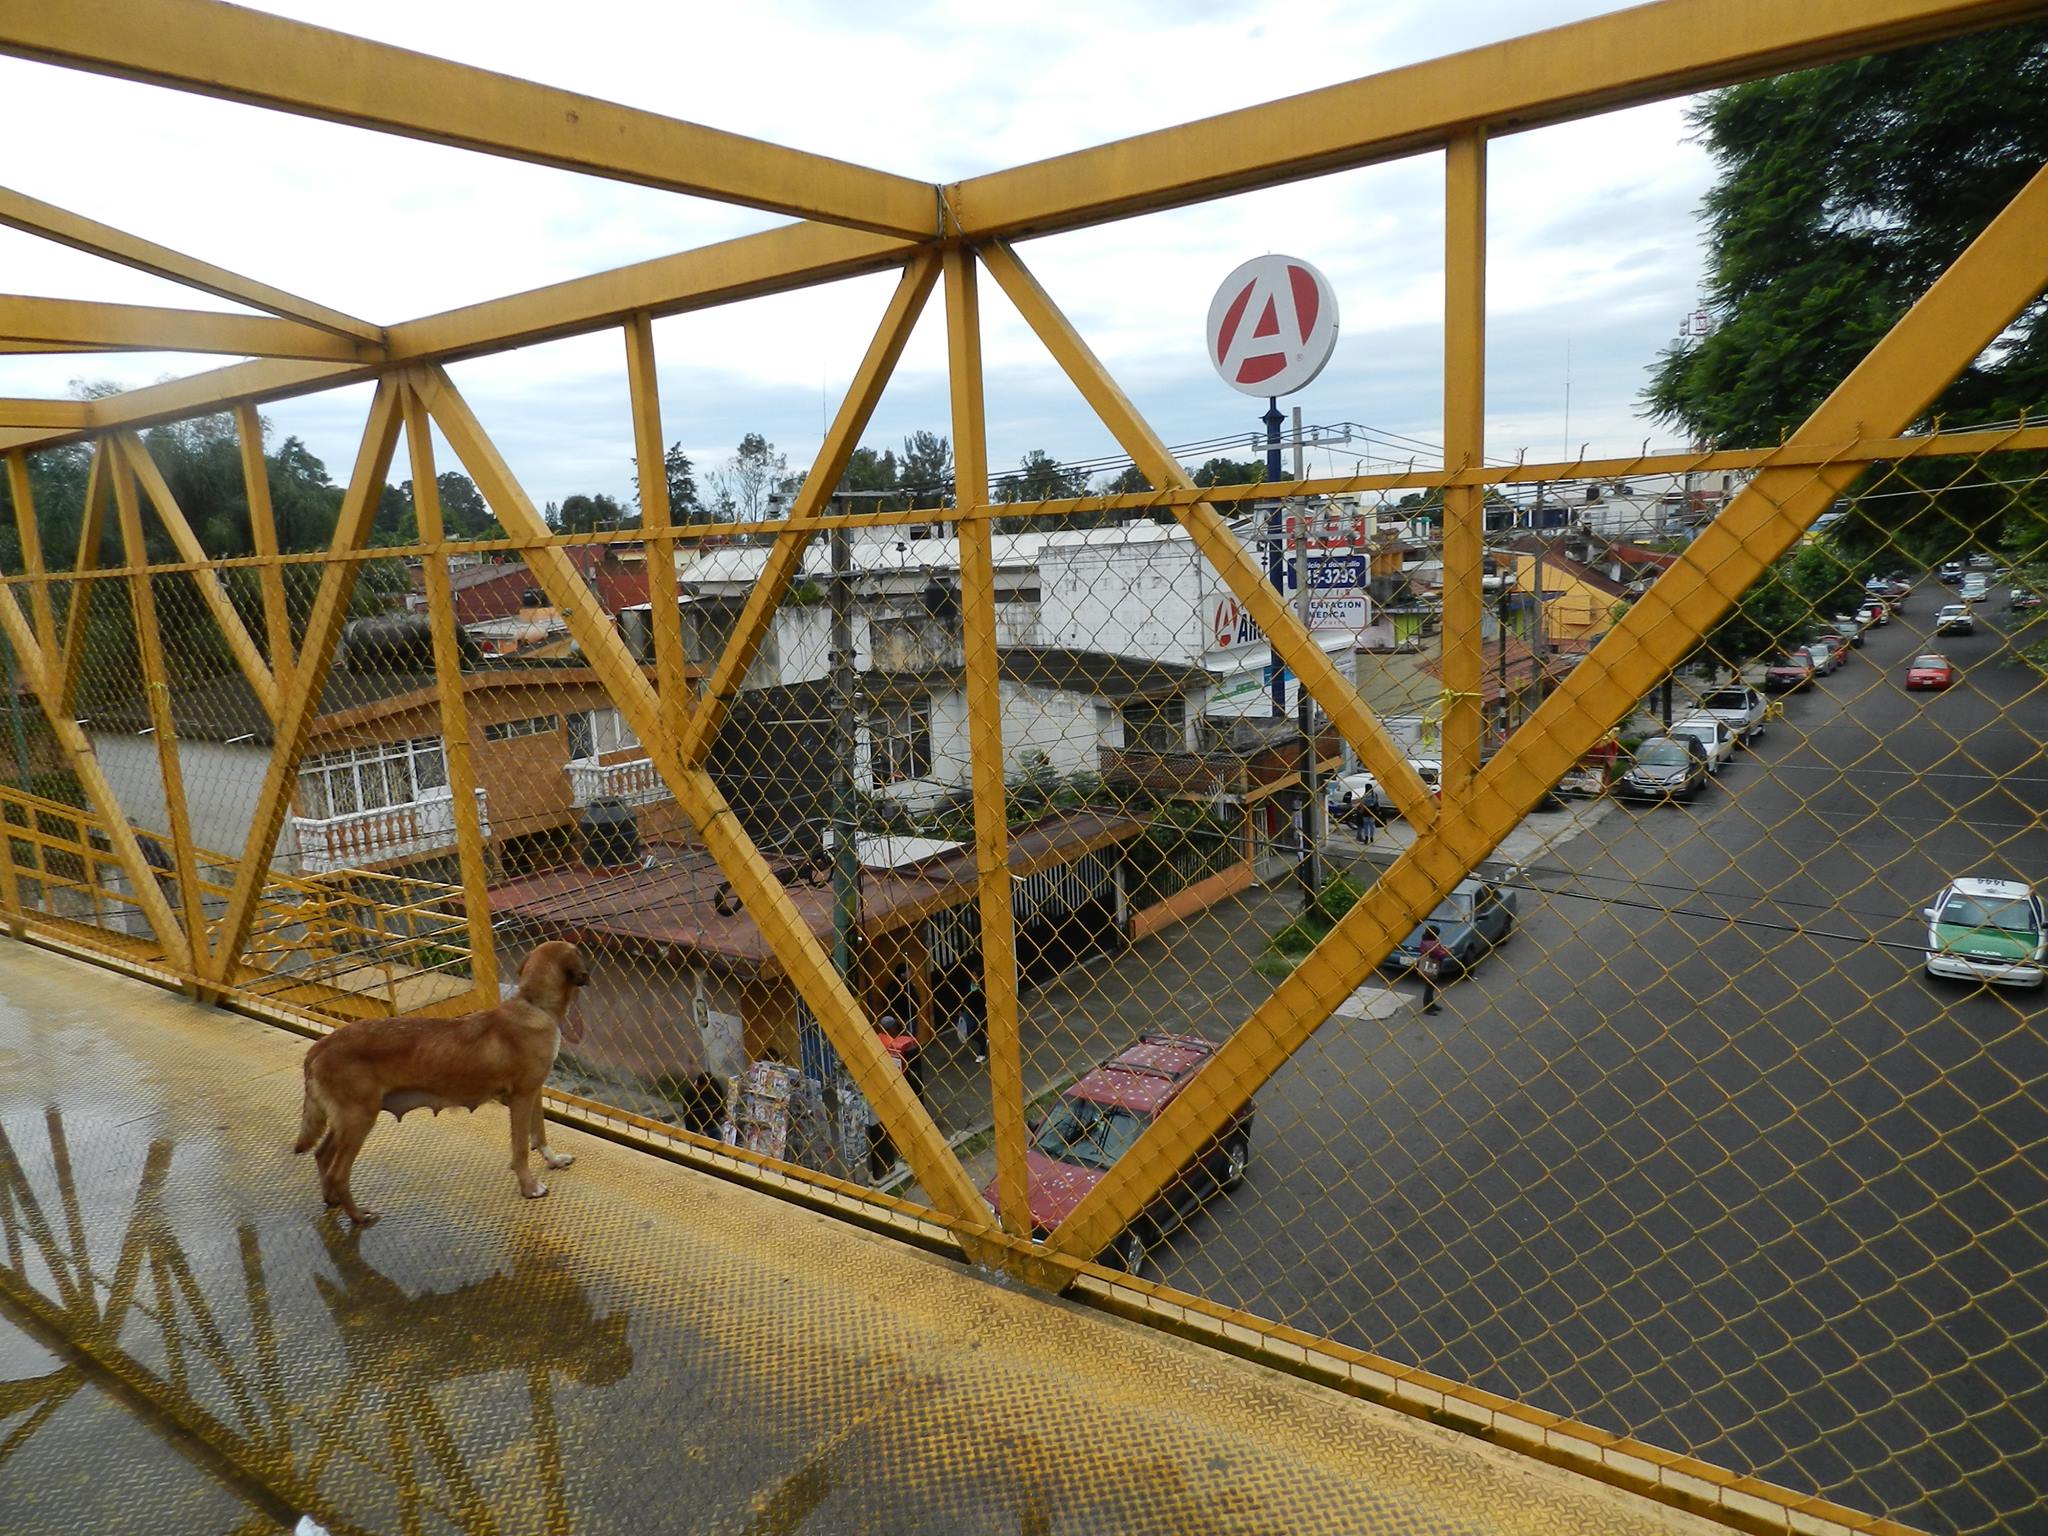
x=1305, y=709
x=845, y=852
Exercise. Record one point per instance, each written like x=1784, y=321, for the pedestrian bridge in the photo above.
x=1697, y=1204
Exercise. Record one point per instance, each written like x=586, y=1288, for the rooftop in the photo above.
x=680, y=902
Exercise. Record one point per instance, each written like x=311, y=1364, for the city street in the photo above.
x=1702, y=1154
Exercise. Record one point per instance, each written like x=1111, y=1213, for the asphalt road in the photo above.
x=1702, y=1155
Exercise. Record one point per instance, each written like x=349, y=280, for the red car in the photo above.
x=1788, y=673
x=1930, y=671
x=1095, y=1122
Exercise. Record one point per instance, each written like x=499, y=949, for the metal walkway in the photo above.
x=187, y=1344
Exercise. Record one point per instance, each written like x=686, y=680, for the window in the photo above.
x=900, y=742
x=1157, y=725
x=371, y=778
x=594, y=732
x=537, y=725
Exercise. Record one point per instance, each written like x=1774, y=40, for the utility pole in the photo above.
x=1276, y=551
x=1305, y=711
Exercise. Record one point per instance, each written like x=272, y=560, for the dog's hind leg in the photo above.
x=350, y=1128
x=525, y=1128
x=547, y=1153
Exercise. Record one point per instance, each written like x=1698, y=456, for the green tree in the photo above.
x=740, y=490
x=926, y=469
x=681, y=474
x=1842, y=193
x=1128, y=482
x=1231, y=472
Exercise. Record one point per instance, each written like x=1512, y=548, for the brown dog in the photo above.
x=410, y=1062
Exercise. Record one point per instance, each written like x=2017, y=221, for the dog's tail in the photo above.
x=312, y=1120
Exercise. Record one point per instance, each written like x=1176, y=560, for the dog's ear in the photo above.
x=574, y=971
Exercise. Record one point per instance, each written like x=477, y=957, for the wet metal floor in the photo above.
x=188, y=1344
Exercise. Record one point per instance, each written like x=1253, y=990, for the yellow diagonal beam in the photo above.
x=29, y=535
x=1963, y=313
x=301, y=705
x=1645, y=53
x=263, y=539
x=244, y=55
x=19, y=211
x=1290, y=640
x=147, y=328
x=211, y=592
x=66, y=415
x=91, y=527
x=156, y=689
x=796, y=948
x=774, y=261
x=36, y=667
x=785, y=560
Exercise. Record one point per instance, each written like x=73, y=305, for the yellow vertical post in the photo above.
x=985, y=741
x=92, y=522
x=1464, y=438
x=664, y=618
x=10, y=884
x=277, y=622
x=469, y=840
x=31, y=538
x=156, y=688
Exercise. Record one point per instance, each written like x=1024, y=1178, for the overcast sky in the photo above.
x=1594, y=251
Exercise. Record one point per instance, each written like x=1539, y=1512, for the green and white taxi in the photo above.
x=1988, y=930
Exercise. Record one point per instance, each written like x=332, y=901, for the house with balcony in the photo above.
x=372, y=790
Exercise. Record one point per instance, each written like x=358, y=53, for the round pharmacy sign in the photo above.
x=1272, y=326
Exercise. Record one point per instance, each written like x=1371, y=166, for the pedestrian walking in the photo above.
x=1363, y=823
x=1431, y=959
x=970, y=1021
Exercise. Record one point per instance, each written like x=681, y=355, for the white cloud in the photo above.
x=1593, y=243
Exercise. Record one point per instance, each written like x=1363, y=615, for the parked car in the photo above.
x=1955, y=619
x=1715, y=736
x=1095, y=1121
x=1850, y=628
x=1988, y=930
x=1742, y=708
x=1789, y=673
x=1838, y=643
x=1874, y=612
x=1952, y=571
x=1931, y=669
x=1823, y=655
x=1366, y=798
x=1478, y=914
x=1665, y=768
x=2022, y=599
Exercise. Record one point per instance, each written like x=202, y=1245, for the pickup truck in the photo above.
x=1741, y=707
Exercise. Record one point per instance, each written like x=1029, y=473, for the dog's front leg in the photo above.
x=547, y=1153
x=525, y=1109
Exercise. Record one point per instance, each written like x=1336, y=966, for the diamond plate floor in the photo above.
x=187, y=1344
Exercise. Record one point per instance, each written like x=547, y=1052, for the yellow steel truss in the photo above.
x=868, y=221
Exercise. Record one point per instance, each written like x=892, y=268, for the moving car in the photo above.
x=1849, y=628
x=1789, y=673
x=1095, y=1121
x=1952, y=571
x=1478, y=914
x=1930, y=670
x=1665, y=768
x=1976, y=587
x=1988, y=930
x=1955, y=619
x=1741, y=708
x=1983, y=562
x=1716, y=738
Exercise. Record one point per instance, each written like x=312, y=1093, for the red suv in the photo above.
x=1095, y=1122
